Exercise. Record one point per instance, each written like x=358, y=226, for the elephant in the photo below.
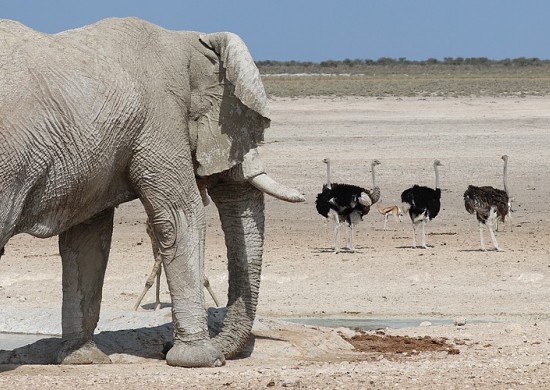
x=122, y=110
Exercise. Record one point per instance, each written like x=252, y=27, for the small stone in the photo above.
x=460, y=321
x=425, y=323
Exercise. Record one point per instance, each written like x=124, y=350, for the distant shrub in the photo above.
x=329, y=64
x=522, y=61
x=369, y=66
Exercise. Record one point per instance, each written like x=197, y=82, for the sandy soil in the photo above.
x=503, y=297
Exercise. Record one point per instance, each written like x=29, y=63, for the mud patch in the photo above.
x=392, y=346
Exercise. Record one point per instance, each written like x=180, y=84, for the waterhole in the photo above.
x=369, y=324
x=11, y=341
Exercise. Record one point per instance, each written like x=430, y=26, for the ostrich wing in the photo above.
x=481, y=199
x=422, y=200
x=341, y=198
x=420, y=196
x=322, y=202
x=407, y=196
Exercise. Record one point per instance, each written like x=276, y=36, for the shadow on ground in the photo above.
x=146, y=343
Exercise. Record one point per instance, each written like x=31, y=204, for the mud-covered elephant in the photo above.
x=120, y=110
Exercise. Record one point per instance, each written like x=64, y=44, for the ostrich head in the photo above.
x=504, y=157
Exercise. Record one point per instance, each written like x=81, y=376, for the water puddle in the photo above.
x=368, y=324
x=11, y=341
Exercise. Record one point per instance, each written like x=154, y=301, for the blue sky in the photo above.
x=320, y=30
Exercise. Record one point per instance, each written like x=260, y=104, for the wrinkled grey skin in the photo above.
x=119, y=110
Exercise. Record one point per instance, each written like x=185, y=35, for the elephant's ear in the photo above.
x=240, y=69
x=230, y=110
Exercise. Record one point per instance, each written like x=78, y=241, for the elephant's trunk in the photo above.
x=241, y=209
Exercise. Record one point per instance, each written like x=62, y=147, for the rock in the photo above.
x=460, y=321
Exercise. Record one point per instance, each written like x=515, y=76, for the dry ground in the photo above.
x=503, y=296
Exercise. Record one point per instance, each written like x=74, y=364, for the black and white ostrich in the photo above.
x=489, y=204
x=423, y=204
x=346, y=203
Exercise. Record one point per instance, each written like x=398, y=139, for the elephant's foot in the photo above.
x=194, y=354
x=77, y=353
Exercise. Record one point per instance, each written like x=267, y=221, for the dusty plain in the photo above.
x=502, y=297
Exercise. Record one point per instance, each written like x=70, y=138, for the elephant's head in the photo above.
x=229, y=113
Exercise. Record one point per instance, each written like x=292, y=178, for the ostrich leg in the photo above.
x=414, y=235
x=336, y=233
x=157, y=289
x=350, y=238
x=491, y=221
x=206, y=283
x=493, y=238
x=424, y=234
x=481, y=237
x=509, y=217
x=155, y=273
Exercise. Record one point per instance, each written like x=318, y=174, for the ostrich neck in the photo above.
x=436, y=177
x=506, y=177
x=328, y=175
x=373, y=176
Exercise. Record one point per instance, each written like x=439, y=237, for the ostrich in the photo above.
x=423, y=204
x=490, y=204
x=346, y=203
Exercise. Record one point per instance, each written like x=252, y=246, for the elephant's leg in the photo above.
x=182, y=250
x=241, y=211
x=176, y=214
x=84, y=250
x=157, y=267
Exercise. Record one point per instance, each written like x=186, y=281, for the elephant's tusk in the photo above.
x=266, y=184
